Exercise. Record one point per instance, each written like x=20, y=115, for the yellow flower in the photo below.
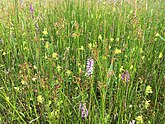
x=42, y=39
x=58, y=68
x=148, y=90
x=34, y=79
x=139, y=119
x=157, y=34
x=23, y=82
x=47, y=45
x=117, y=51
x=121, y=69
x=117, y=39
x=16, y=88
x=100, y=37
x=35, y=67
x=55, y=56
x=45, y=32
x=40, y=98
x=131, y=67
x=79, y=69
x=143, y=57
x=104, y=57
x=160, y=55
x=46, y=56
x=81, y=48
x=111, y=39
x=68, y=72
x=90, y=46
x=131, y=11
x=4, y=53
x=147, y=103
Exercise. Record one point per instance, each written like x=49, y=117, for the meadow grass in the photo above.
x=45, y=46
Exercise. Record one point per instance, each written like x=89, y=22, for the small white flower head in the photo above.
x=89, y=66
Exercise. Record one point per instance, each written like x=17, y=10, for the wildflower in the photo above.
x=4, y=53
x=84, y=110
x=34, y=79
x=111, y=39
x=121, y=68
x=89, y=66
x=104, y=57
x=117, y=39
x=31, y=9
x=125, y=76
x=157, y=34
x=47, y=45
x=132, y=122
x=147, y=103
x=100, y=37
x=131, y=67
x=16, y=88
x=35, y=67
x=160, y=55
x=55, y=56
x=45, y=32
x=117, y=51
x=90, y=46
x=79, y=70
x=58, y=68
x=40, y=98
x=23, y=82
x=42, y=39
x=139, y=119
x=46, y=56
x=68, y=72
x=148, y=90
x=81, y=48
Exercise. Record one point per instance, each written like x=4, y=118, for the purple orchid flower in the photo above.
x=84, y=110
x=125, y=76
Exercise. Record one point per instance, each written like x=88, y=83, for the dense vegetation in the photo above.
x=89, y=61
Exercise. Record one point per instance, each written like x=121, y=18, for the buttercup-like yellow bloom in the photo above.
x=111, y=39
x=58, y=68
x=4, y=53
x=100, y=37
x=34, y=79
x=55, y=56
x=121, y=69
x=23, y=82
x=148, y=90
x=139, y=119
x=47, y=45
x=45, y=32
x=117, y=39
x=90, y=46
x=131, y=67
x=40, y=98
x=157, y=34
x=160, y=55
x=117, y=51
x=68, y=72
x=81, y=48
x=147, y=103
